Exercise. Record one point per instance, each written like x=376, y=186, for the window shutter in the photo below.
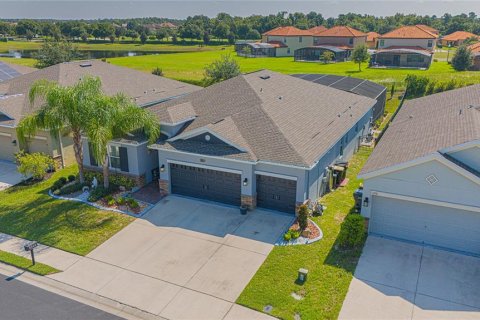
x=123, y=159
x=93, y=162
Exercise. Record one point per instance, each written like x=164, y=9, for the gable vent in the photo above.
x=431, y=179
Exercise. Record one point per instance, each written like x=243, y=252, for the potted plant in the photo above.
x=243, y=209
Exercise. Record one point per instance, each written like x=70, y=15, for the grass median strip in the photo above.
x=26, y=264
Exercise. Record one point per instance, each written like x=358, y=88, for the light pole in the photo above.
x=448, y=51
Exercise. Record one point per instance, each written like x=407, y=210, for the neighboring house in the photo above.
x=145, y=89
x=354, y=85
x=340, y=40
x=429, y=29
x=287, y=39
x=372, y=39
x=261, y=139
x=317, y=29
x=422, y=181
x=457, y=38
x=405, y=47
x=254, y=49
x=475, y=49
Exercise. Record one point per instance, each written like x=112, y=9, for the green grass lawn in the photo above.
x=330, y=269
x=24, y=62
x=27, y=211
x=189, y=67
x=26, y=264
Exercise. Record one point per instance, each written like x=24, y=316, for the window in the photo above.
x=300, y=39
x=288, y=51
x=430, y=43
x=350, y=41
x=115, y=157
x=284, y=40
x=415, y=58
x=382, y=43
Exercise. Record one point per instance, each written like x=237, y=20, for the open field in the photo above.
x=189, y=67
x=27, y=211
x=330, y=269
x=117, y=46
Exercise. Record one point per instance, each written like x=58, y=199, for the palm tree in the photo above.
x=114, y=117
x=62, y=107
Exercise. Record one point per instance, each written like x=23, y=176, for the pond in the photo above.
x=84, y=54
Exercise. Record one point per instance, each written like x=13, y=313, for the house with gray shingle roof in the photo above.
x=143, y=88
x=261, y=139
x=422, y=182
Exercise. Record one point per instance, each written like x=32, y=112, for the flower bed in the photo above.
x=294, y=236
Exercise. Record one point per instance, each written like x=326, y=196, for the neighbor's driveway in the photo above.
x=184, y=259
x=397, y=280
x=9, y=175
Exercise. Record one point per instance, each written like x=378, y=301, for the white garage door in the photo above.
x=7, y=149
x=435, y=225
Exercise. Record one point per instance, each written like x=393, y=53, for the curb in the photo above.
x=79, y=295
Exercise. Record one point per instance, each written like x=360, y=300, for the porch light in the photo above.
x=365, y=202
x=245, y=182
x=162, y=168
x=14, y=142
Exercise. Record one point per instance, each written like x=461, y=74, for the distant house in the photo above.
x=340, y=40
x=405, y=47
x=475, y=48
x=317, y=29
x=457, y=38
x=287, y=39
x=428, y=28
x=372, y=38
x=254, y=49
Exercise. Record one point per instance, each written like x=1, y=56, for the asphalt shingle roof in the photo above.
x=426, y=125
x=274, y=117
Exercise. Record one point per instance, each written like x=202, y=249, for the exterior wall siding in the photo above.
x=342, y=41
x=470, y=157
x=451, y=186
x=385, y=43
x=293, y=43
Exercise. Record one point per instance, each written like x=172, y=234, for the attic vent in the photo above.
x=431, y=179
x=264, y=77
x=86, y=64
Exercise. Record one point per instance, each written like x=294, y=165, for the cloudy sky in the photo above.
x=74, y=9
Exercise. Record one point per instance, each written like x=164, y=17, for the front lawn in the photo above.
x=27, y=211
x=330, y=269
x=26, y=264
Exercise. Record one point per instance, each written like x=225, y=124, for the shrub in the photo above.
x=463, y=59
x=35, y=165
x=109, y=197
x=70, y=188
x=303, y=217
x=121, y=201
x=57, y=185
x=295, y=234
x=287, y=236
x=100, y=192
x=115, y=179
x=111, y=202
x=158, y=72
x=133, y=204
x=63, y=180
x=71, y=178
x=352, y=232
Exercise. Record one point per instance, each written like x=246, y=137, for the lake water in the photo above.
x=84, y=54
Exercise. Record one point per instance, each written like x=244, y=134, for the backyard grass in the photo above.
x=24, y=62
x=27, y=211
x=26, y=264
x=330, y=269
x=190, y=67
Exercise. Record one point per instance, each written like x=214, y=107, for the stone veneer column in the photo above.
x=164, y=186
x=249, y=201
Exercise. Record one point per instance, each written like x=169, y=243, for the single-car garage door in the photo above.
x=276, y=193
x=425, y=223
x=206, y=184
x=7, y=149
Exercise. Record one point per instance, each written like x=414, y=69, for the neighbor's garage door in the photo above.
x=206, y=184
x=7, y=149
x=435, y=225
x=276, y=193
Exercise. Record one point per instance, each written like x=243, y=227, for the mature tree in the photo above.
x=162, y=33
x=5, y=28
x=222, y=69
x=143, y=38
x=463, y=59
x=54, y=52
x=326, y=56
x=253, y=34
x=221, y=30
x=24, y=27
x=360, y=55
x=29, y=35
x=62, y=108
x=132, y=34
x=113, y=118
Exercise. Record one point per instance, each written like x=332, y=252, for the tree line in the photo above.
x=224, y=26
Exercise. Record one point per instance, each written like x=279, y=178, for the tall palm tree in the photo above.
x=62, y=107
x=112, y=118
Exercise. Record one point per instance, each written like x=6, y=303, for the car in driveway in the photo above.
x=401, y=280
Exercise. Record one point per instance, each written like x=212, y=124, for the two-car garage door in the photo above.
x=436, y=225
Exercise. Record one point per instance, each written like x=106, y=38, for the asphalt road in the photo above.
x=21, y=301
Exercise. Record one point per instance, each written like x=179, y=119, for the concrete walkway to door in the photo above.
x=398, y=280
x=185, y=259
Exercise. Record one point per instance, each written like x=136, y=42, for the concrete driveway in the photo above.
x=397, y=280
x=185, y=259
x=9, y=175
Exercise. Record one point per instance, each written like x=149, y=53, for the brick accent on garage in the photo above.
x=164, y=186
x=249, y=201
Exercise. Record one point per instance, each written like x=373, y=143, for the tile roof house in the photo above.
x=317, y=29
x=144, y=89
x=340, y=40
x=475, y=49
x=457, y=38
x=422, y=181
x=428, y=28
x=372, y=39
x=405, y=47
x=287, y=39
x=262, y=138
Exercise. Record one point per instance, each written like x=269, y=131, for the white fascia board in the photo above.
x=460, y=147
x=203, y=166
x=169, y=124
x=275, y=175
x=199, y=131
x=425, y=201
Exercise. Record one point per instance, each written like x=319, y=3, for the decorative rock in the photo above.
x=306, y=233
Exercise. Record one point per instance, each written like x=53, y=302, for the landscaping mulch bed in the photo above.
x=314, y=231
x=124, y=207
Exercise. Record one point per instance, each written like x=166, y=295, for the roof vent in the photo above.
x=264, y=77
x=85, y=64
x=410, y=116
x=280, y=97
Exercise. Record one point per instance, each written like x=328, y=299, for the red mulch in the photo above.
x=314, y=231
